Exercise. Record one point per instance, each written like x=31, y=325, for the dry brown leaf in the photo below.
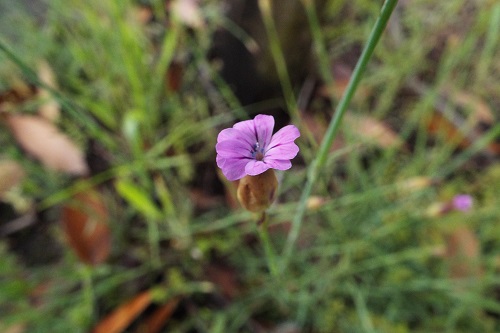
x=175, y=73
x=494, y=147
x=341, y=75
x=317, y=126
x=84, y=222
x=463, y=253
x=122, y=317
x=16, y=328
x=202, y=200
x=50, y=109
x=156, y=321
x=19, y=92
x=43, y=140
x=143, y=14
x=224, y=277
x=480, y=112
x=39, y=294
x=439, y=125
x=11, y=173
x=480, y=116
x=373, y=131
x=414, y=184
x=315, y=202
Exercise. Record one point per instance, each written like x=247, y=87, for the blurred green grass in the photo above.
x=367, y=258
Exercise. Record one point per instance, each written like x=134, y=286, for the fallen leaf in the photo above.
x=43, y=140
x=439, y=125
x=84, y=221
x=39, y=294
x=11, y=173
x=464, y=123
x=143, y=14
x=156, y=321
x=479, y=111
x=19, y=92
x=317, y=126
x=202, y=200
x=224, y=278
x=50, y=109
x=414, y=184
x=463, y=253
x=175, y=73
x=16, y=328
x=341, y=73
x=315, y=202
x=373, y=131
x=122, y=317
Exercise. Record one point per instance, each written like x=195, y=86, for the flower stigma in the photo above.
x=258, y=153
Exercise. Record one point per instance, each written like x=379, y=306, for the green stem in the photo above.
x=88, y=291
x=154, y=242
x=334, y=125
x=268, y=248
x=319, y=44
x=265, y=7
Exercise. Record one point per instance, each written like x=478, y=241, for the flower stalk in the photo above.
x=272, y=263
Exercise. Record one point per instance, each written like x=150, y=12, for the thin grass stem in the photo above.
x=333, y=127
x=33, y=78
x=278, y=57
x=154, y=242
x=268, y=248
x=88, y=291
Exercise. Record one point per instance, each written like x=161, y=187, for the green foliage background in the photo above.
x=366, y=258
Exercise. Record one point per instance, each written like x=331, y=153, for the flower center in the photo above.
x=258, y=152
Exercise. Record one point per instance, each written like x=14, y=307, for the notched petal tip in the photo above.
x=285, y=135
x=264, y=126
x=224, y=135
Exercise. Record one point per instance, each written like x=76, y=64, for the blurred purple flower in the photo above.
x=249, y=148
x=462, y=202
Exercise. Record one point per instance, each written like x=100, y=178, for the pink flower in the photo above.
x=249, y=148
x=462, y=202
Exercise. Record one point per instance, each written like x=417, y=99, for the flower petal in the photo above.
x=220, y=161
x=234, y=134
x=234, y=149
x=286, y=151
x=285, y=135
x=234, y=168
x=279, y=164
x=246, y=126
x=224, y=135
x=264, y=125
x=254, y=167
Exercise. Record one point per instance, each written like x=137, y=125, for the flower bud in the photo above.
x=257, y=193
